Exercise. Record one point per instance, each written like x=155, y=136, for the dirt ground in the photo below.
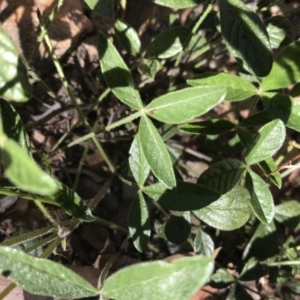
x=46, y=119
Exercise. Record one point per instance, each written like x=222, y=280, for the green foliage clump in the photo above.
x=234, y=192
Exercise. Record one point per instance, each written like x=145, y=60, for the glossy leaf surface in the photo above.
x=222, y=176
x=253, y=270
x=42, y=276
x=285, y=70
x=184, y=197
x=269, y=166
x=203, y=244
x=266, y=142
x=184, y=105
x=261, y=198
x=237, y=88
x=117, y=74
x=139, y=223
x=103, y=7
x=72, y=203
x=169, y=43
x=246, y=37
x=155, y=152
x=211, y=127
x=283, y=107
x=181, y=279
x=127, y=37
x=137, y=161
x=13, y=125
x=237, y=291
x=221, y=278
x=229, y=212
x=13, y=74
x=22, y=171
x=178, y=3
x=148, y=68
x=177, y=229
x=263, y=243
x=288, y=213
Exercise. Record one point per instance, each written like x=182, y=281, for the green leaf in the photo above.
x=13, y=125
x=42, y=276
x=253, y=270
x=221, y=279
x=237, y=291
x=117, y=74
x=288, y=213
x=237, y=88
x=22, y=171
x=160, y=231
x=178, y=3
x=263, y=244
x=103, y=7
x=177, y=229
x=13, y=74
x=295, y=91
x=184, y=105
x=148, y=68
x=139, y=223
x=72, y=203
x=261, y=198
x=246, y=37
x=229, y=212
x=127, y=37
x=175, y=154
x=168, y=43
x=184, y=197
x=258, y=119
x=244, y=136
x=276, y=35
x=203, y=244
x=269, y=166
x=27, y=244
x=285, y=70
x=266, y=142
x=223, y=176
x=211, y=127
x=284, y=108
x=155, y=152
x=138, y=164
x=180, y=279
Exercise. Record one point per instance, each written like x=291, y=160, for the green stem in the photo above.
x=45, y=28
x=61, y=73
x=284, y=263
x=28, y=196
x=51, y=247
x=125, y=120
x=81, y=139
x=45, y=211
x=103, y=153
x=80, y=166
x=94, y=202
x=92, y=135
x=70, y=93
x=64, y=136
x=202, y=18
x=7, y=290
x=128, y=182
x=41, y=243
x=28, y=236
x=111, y=225
x=41, y=82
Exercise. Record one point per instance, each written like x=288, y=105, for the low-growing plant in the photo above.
x=234, y=192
